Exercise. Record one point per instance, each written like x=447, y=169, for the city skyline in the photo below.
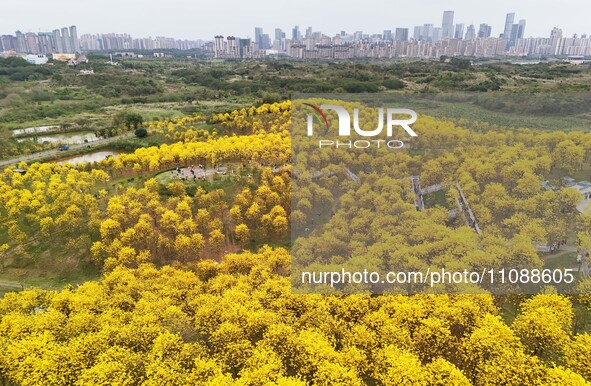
x=427, y=41
x=239, y=18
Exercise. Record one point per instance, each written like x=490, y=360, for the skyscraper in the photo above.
x=279, y=39
x=33, y=46
x=387, y=35
x=470, y=32
x=278, y=34
x=8, y=43
x=416, y=34
x=427, y=32
x=295, y=33
x=309, y=32
x=57, y=41
x=75, y=43
x=232, y=47
x=436, y=36
x=521, y=29
x=244, y=47
x=556, y=33
x=219, y=46
x=484, y=31
x=447, y=25
x=265, y=42
x=517, y=32
x=258, y=36
x=45, y=42
x=66, y=42
x=508, y=25
x=401, y=34
x=21, y=42
x=513, y=35
x=459, y=32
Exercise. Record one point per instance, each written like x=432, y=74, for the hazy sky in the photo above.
x=197, y=19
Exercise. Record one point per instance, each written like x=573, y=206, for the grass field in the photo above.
x=102, y=116
x=436, y=198
x=471, y=112
x=49, y=266
x=561, y=260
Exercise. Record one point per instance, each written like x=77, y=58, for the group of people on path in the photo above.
x=195, y=173
x=184, y=174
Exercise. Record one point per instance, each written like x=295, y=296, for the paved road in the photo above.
x=55, y=152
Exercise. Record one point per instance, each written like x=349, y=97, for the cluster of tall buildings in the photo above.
x=555, y=45
x=109, y=42
x=61, y=41
x=66, y=41
x=233, y=47
x=513, y=31
x=449, y=30
x=425, y=41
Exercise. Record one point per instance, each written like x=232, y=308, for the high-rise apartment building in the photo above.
x=436, y=35
x=8, y=43
x=66, y=42
x=75, y=43
x=416, y=34
x=401, y=34
x=56, y=38
x=459, y=31
x=517, y=32
x=447, y=25
x=521, y=29
x=21, y=42
x=279, y=35
x=265, y=43
x=556, y=33
x=232, y=49
x=258, y=36
x=296, y=34
x=508, y=25
x=427, y=32
x=219, y=46
x=32, y=43
x=484, y=31
x=45, y=42
x=470, y=32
